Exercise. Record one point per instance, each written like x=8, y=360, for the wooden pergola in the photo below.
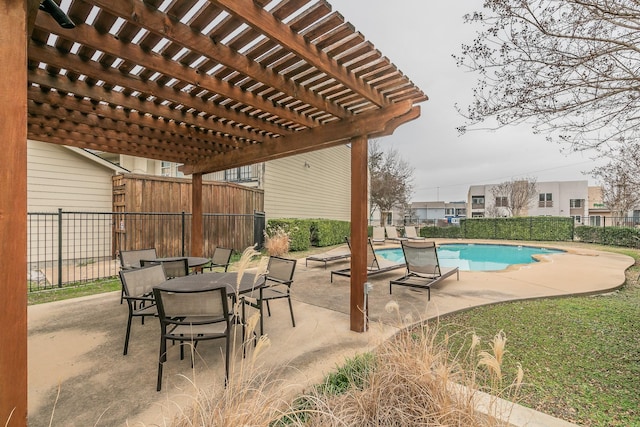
x=210, y=84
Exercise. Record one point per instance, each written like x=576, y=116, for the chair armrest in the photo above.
x=277, y=281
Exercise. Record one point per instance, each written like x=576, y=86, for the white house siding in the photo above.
x=60, y=178
x=310, y=185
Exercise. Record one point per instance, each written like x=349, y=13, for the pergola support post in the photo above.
x=13, y=213
x=359, y=181
x=197, y=229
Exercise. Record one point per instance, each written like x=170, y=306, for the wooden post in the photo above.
x=197, y=241
x=13, y=213
x=359, y=180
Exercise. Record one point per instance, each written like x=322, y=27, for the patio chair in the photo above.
x=377, y=236
x=423, y=267
x=392, y=234
x=190, y=317
x=277, y=285
x=337, y=254
x=131, y=259
x=137, y=286
x=375, y=265
x=411, y=234
x=220, y=258
x=178, y=267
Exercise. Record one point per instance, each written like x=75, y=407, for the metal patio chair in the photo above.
x=189, y=316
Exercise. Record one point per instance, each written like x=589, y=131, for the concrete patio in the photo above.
x=79, y=377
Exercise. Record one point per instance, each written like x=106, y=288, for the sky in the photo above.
x=420, y=37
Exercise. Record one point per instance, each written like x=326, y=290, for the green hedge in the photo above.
x=328, y=232
x=519, y=228
x=452, y=232
x=616, y=236
x=306, y=232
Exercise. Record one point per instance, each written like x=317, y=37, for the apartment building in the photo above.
x=555, y=198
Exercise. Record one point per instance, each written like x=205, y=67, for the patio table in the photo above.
x=206, y=281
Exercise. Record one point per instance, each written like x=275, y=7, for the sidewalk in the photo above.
x=75, y=346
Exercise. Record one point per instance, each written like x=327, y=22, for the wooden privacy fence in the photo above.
x=228, y=219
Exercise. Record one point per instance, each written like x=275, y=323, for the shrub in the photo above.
x=327, y=232
x=276, y=243
x=519, y=228
x=297, y=229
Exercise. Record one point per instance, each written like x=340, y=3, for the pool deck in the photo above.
x=75, y=346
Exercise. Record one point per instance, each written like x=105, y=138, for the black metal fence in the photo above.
x=78, y=247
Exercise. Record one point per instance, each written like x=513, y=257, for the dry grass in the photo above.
x=410, y=380
x=413, y=380
x=277, y=242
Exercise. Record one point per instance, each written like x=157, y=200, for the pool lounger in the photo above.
x=328, y=257
x=421, y=282
x=370, y=271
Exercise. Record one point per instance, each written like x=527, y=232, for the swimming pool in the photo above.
x=477, y=257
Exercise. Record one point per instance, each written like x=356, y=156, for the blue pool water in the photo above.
x=477, y=257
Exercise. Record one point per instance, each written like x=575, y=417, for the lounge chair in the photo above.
x=392, y=234
x=375, y=265
x=332, y=255
x=378, y=235
x=423, y=267
x=410, y=233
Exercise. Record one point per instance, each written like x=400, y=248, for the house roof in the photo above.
x=211, y=84
x=97, y=159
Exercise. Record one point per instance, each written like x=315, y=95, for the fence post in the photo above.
x=183, y=231
x=59, y=247
x=258, y=229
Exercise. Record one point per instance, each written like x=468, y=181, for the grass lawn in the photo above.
x=580, y=355
x=74, y=291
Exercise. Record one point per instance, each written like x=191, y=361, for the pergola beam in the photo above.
x=374, y=122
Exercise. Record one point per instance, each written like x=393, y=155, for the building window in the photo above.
x=502, y=202
x=477, y=215
x=594, y=221
x=477, y=202
x=449, y=212
x=577, y=219
x=389, y=220
x=545, y=200
x=576, y=203
x=240, y=174
x=165, y=169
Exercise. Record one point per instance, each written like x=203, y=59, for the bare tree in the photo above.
x=620, y=180
x=571, y=68
x=391, y=180
x=515, y=195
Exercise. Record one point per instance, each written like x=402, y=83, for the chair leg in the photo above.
x=126, y=338
x=268, y=308
x=161, y=359
x=293, y=321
